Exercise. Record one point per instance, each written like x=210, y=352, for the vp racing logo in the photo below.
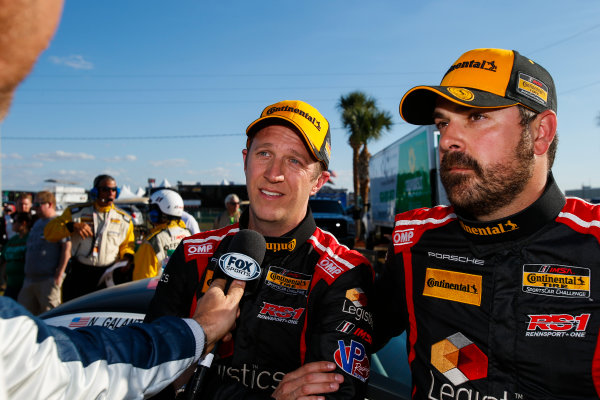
x=353, y=359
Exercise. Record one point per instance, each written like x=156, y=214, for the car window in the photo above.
x=331, y=207
x=392, y=362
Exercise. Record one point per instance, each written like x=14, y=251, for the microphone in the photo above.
x=242, y=261
x=243, y=258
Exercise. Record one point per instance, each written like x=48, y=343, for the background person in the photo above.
x=505, y=277
x=13, y=254
x=101, y=234
x=166, y=207
x=45, y=262
x=231, y=215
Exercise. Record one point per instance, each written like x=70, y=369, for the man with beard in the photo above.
x=496, y=291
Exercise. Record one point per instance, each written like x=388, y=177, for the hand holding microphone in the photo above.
x=216, y=311
x=239, y=267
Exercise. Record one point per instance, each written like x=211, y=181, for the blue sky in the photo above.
x=170, y=87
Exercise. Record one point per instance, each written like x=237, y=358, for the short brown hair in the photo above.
x=46, y=197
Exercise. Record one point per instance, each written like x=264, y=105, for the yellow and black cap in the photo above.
x=484, y=78
x=313, y=127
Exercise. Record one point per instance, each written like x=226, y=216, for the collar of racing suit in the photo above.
x=519, y=225
x=286, y=243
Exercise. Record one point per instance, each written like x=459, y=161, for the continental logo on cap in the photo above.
x=453, y=286
x=532, y=88
x=304, y=114
x=461, y=93
x=274, y=246
x=556, y=280
x=490, y=230
x=483, y=64
x=288, y=281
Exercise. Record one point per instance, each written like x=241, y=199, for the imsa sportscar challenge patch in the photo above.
x=556, y=280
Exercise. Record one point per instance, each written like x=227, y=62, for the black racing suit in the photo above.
x=310, y=305
x=508, y=309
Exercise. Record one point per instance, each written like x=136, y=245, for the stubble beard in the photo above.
x=487, y=189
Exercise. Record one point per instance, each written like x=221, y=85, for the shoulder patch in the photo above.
x=581, y=216
x=409, y=226
x=205, y=243
x=335, y=259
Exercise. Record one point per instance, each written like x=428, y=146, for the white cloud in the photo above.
x=60, y=155
x=12, y=156
x=72, y=61
x=128, y=157
x=173, y=162
x=23, y=166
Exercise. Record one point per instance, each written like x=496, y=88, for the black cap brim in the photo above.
x=418, y=103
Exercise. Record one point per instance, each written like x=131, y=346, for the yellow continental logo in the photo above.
x=558, y=281
x=207, y=280
x=497, y=229
x=533, y=87
x=274, y=246
x=288, y=282
x=461, y=93
x=453, y=286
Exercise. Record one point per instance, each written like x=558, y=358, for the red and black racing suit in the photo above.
x=310, y=305
x=508, y=309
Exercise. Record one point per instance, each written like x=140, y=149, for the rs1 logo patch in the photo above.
x=557, y=325
x=353, y=359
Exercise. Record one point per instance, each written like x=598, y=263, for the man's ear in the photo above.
x=245, y=154
x=321, y=180
x=544, y=130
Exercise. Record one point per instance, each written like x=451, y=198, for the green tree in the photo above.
x=364, y=122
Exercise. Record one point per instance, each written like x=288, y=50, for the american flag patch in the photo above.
x=78, y=322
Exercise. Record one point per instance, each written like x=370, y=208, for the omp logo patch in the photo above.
x=459, y=359
x=403, y=237
x=357, y=296
x=557, y=325
x=453, y=286
x=556, y=280
x=530, y=87
x=195, y=249
x=330, y=267
x=287, y=281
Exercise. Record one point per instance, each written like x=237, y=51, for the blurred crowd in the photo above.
x=47, y=258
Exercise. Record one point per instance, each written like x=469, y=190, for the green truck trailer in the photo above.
x=404, y=176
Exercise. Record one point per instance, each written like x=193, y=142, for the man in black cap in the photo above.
x=497, y=291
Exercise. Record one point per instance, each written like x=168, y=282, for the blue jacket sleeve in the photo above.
x=132, y=362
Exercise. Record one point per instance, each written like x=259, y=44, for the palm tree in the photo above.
x=364, y=122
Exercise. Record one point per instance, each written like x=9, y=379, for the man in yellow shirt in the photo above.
x=166, y=208
x=101, y=234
